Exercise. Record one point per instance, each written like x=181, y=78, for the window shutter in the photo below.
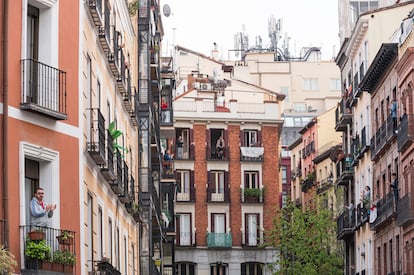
x=191, y=145
x=258, y=227
x=177, y=228
x=246, y=229
x=209, y=188
x=241, y=138
x=208, y=144
x=192, y=187
x=226, y=186
x=259, y=139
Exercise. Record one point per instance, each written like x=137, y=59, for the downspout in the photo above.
x=4, y=53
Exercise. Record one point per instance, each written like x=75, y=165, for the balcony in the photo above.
x=107, y=169
x=343, y=116
x=345, y=226
x=125, y=195
x=405, y=132
x=186, y=195
x=324, y=185
x=184, y=153
x=43, y=89
x=167, y=169
x=104, y=32
x=48, y=250
x=185, y=238
x=105, y=267
x=219, y=240
x=405, y=213
x=213, y=154
x=214, y=195
x=96, y=145
x=254, y=238
x=251, y=154
x=252, y=195
x=385, y=210
x=307, y=184
x=345, y=171
x=383, y=138
x=95, y=8
x=362, y=215
x=117, y=184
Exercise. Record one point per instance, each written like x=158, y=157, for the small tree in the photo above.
x=306, y=241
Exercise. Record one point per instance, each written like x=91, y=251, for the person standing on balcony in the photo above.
x=394, y=187
x=40, y=210
x=220, y=147
x=393, y=111
x=179, y=145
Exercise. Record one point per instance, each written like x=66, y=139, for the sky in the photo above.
x=197, y=24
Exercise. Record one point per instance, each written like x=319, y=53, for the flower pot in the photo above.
x=36, y=235
x=46, y=265
x=64, y=241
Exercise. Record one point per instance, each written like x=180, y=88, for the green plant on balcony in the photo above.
x=115, y=133
x=7, y=261
x=66, y=237
x=64, y=257
x=37, y=250
x=311, y=176
x=252, y=192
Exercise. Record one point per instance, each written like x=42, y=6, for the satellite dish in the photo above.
x=166, y=10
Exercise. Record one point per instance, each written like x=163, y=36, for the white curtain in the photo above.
x=185, y=235
x=252, y=229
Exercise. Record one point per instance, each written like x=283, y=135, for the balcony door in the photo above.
x=32, y=53
x=217, y=185
x=183, y=185
x=252, y=229
x=184, y=229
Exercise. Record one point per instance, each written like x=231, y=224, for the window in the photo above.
x=284, y=175
x=218, y=223
x=117, y=250
x=125, y=256
x=184, y=229
x=99, y=233
x=218, y=269
x=251, y=179
x=250, y=138
x=217, y=182
x=109, y=252
x=285, y=91
x=335, y=84
x=90, y=232
x=183, y=182
x=251, y=269
x=185, y=269
x=252, y=229
x=310, y=84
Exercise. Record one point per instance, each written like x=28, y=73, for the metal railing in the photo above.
x=56, y=246
x=43, y=89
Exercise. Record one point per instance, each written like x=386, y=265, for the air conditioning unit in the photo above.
x=205, y=87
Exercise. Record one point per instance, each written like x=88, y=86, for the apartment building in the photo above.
x=40, y=128
x=310, y=86
x=226, y=163
x=404, y=196
x=314, y=170
x=363, y=116
x=108, y=62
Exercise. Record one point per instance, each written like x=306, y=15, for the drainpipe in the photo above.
x=4, y=53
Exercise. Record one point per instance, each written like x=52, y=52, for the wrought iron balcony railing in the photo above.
x=385, y=210
x=49, y=249
x=96, y=144
x=345, y=225
x=405, y=132
x=43, y=89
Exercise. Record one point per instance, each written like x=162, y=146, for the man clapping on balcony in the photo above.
x=40, y=211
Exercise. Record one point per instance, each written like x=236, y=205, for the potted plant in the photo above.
x=64, y=260
x=66, y=237
x=7, y=261
x=252, y=192
x=36, y=234
x=36, y=252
